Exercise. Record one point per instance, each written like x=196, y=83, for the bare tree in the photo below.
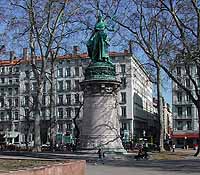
x=184, y=31
x=141, y=20
x=47, y=24
x=168, y=33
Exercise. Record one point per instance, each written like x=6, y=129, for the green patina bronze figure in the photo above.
x=98, y=43
x=100, y=68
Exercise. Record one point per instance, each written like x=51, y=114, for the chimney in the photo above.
x=130, y=43
x=125, y=51
x=12, y=53
x=25, y=53
x=75, y=50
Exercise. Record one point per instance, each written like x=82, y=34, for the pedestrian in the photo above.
x=100, y=153
x=173, y=147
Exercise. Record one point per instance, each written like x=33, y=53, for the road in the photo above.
x=145, y=167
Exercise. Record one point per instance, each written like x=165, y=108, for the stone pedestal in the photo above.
x=100, y=123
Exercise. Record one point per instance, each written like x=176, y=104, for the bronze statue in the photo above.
x=98, y=43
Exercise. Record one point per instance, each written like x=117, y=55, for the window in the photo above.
x=180, y=111
x=2, y=115
x=123, y=68
x=10, y=69
x=16, y=102
x=179, y=125
x=27, y=74
x=69, y=126
x=189, y=111
x=178, y=71
x=26, y=100
x=179, y=96
x=60, y=127
x=124, y=126
x=115, y=68
x=10, y=102
x=189, y=125
x=68, y=110
x=2, y=102
x=123, y=110
x=68, y=99
x=10, y=91
x=16, y=69
x=34, y=99
x=34, y=86
x=77, y=112
x=76, y=71
x=68, y=85
x=17, y=80
x=188, y=98
x=60, y=72
x=123, y=81
x=198, y=70
x=187, y=82
x=16, y=91
x=10, y=81
x=44, y=86
x=123, y=97
x=198, y=82
x=60, y=85
x=16, y=116
x=76, y=98
x=3, y=70
x=26, y=87
x=27, y=112
x=77, y=85
x=60, y=113
x=68, y=72
x=9, y=115
x=44, y=100
x=188, y=70
x=60, y=99
x=43, y=113
x=2, y=91
x=2, y=80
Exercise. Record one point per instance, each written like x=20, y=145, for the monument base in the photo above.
x=100, y=124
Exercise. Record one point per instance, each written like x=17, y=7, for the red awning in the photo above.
x=188, y=135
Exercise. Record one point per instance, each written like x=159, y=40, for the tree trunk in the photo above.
x=198, y=140
x=53, y=122
x=27, y=132
x=76, y=127
x=37, y=138
x=37, y=141
x=160, y=108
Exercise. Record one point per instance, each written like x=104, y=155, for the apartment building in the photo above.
x=185, y=119
x=167, y=118
x=18, y=86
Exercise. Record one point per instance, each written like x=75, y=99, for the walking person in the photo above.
x=101, y=155
x=173, y=147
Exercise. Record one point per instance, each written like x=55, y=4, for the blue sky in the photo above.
x=79, y=39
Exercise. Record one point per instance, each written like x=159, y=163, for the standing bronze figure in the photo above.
x=98, y=43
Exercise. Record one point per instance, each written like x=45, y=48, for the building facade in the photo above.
x=18, y=87
x=185, y=119
x=167, y=119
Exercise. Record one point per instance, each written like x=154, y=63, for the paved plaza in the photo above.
x=149, y=167
x=118, y=165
